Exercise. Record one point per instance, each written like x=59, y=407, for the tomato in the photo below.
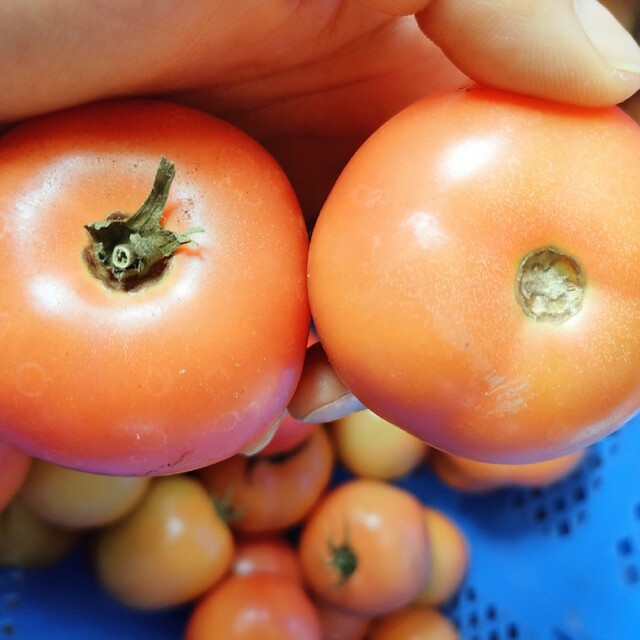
x=260, y=606
x=289, y=434
x=77, y=499
x=449, y=559
x=134, y=367
x=414, y=623
x=371, y=447
x=266, y=554
x=271, y=493
x=473, y=275
x=27, y=541
x=14, y=467
x=479, y=477
x=169, y=550
x=339, y=624
x=365, y=547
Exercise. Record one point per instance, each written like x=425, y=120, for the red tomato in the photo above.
x=259, y=606
x=270, y=493
x=14, y=467
x=474, y=274
x=198, y=357
x=268, y=554
x=290, y=433
x=365, y=547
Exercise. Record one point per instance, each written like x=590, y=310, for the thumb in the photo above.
x=567, y=50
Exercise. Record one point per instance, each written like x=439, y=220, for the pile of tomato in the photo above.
x=266, y=546
x=472, y=279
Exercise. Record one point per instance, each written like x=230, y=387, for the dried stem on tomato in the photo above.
x=128, y=251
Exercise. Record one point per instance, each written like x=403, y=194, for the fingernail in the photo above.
x=338, y=408
x=264, y=439
x=608, y=36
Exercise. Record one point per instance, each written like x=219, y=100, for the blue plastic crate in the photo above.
x=561, y=563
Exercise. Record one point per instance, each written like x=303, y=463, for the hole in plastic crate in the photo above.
x=470, y=594
x=512, y=632
x=7, y=628
x=473, y=619
x=580, y=493
x=631, y=574
x=625, y=547
x=594, y=461
x=491, y=613
x=541, y=514
x=494, y=635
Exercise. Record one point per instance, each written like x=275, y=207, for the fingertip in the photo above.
x=571, y=51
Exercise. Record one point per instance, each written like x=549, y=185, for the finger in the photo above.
x=321, y=396
x=567, y=50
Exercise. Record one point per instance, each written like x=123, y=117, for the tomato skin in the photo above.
x=371, y=447
x=78, y=500
x=290, y=434
x=414, y=623
x=180, y=374
x=14, y=468
x=268, y=494
x=169, y=550
x=413, y=265
x=266, y=554
x=383, y=528
x=27, y=541
x=449, y=559
x=260, y=606
x=481, y=477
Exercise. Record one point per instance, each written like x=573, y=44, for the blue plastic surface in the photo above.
x=562, y=563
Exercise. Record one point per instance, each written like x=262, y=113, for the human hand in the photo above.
x=310, y=79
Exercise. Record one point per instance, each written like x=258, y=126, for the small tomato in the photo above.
x=365, y=547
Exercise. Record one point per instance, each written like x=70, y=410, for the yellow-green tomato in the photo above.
x=28, y=541
x=168, y=550
x=371, y=447
x=449, y=558
x=78, y=499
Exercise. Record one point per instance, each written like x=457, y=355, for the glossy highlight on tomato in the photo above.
x=185, y=370
x=473, y=275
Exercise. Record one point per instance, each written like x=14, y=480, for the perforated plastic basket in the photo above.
x=561, y=563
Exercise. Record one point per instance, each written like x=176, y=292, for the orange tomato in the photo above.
x=258, y=606
x=14, y=467
x=414, y=623
x=478, y=477
x=270, y=493
x=267, y=554
x=449, y=559
x=365, y=547
x=77, y=499
x=197, y=357
x=371, y=447
x=169, y=550
x=473, y=274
